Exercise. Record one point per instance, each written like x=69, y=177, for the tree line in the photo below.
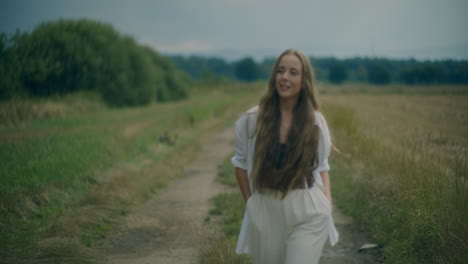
x=65, y=56
x=373, y=70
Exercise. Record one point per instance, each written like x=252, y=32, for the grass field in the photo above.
x=69, y=167
x=400, y=168
x=67, y=176
x=403, y=170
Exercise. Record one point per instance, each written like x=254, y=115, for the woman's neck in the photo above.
x=287, y=105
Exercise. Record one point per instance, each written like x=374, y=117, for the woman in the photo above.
x=281, y=159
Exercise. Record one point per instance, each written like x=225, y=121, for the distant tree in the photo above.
x=375, y=70
x=12, y=64
x=218, y=66
x=338, y=73
x=247, y=70
x=265, y=67
x=208, y=76
x=197, y=66
x=426, y=74
x=378, y=74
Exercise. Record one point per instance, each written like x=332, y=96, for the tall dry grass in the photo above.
x=403, y=171
x=18, y=111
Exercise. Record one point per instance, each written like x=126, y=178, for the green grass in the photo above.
x=227, y=213
x=222, y=252
x=60, y=180
x=66, y=178
x=226, y=173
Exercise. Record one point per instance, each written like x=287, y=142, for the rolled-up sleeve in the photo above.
x=324, y=144
x=240, y=144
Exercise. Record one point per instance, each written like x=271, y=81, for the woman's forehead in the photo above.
x=290, y=61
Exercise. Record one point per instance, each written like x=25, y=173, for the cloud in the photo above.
x=189, y=46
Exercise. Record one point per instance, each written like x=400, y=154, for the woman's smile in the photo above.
x=285, y=86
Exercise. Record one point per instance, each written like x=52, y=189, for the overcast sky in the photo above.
x=422, y=29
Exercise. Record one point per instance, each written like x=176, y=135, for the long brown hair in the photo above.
x=302, y=139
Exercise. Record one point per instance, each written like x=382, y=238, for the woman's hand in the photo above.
x=326, y=185
x=243, y=181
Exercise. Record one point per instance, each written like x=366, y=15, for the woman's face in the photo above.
x=288, y=82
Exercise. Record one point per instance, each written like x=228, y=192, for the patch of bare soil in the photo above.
x=351, y=240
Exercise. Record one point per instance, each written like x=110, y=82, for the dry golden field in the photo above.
x=401, y=169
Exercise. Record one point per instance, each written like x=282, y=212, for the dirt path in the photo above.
x=169, y=227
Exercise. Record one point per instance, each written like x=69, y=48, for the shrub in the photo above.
x=65, y=56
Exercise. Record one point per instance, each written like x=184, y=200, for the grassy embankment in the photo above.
x=69, y=173
x=402, y=172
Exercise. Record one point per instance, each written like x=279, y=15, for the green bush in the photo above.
x=69, y=55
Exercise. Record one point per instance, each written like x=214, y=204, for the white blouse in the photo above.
x=244, y=146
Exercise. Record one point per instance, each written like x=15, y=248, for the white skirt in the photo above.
x=292, y=230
